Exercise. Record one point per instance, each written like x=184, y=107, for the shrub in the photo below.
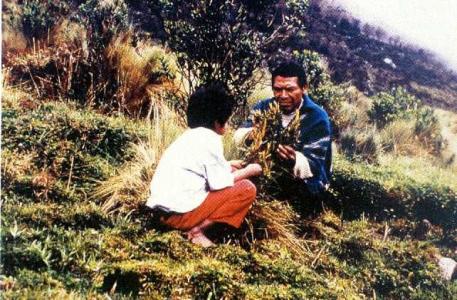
x=321, y=89
x=220, y=40
x=312, y=62
x=398, y=103
x=428, y=129
x=38, y=17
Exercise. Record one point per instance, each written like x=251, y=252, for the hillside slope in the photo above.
x=374, y=61
x=359, y=53
x=57, y=241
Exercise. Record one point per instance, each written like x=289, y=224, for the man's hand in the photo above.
x=287, y=153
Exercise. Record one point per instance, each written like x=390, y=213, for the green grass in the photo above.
x=58, y=243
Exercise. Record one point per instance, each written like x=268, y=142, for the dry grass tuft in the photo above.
x=16, y=165
x=398, y=137
x=143, y=72
x=278, y=221
x=129, y=188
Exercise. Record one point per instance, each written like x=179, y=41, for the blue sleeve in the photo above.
x=315, y=145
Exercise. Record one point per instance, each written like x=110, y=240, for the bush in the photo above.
x=321, y=89
x=312, y=62
x=398, y=103
x=39, y=16
x=428, y=129
x=220, y=40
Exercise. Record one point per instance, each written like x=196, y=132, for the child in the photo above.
x=193, y=181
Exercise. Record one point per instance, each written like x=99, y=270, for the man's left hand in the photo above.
x=287, y=153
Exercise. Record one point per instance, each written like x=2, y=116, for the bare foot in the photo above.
x=196, y=236
x=202, y=240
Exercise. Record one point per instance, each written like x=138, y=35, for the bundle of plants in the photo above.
x=270, y=218
x=264, y=140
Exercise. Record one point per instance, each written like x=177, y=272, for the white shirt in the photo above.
x=191, y=166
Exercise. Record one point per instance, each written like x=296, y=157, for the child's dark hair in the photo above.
x=290, y=68
x=209, y=103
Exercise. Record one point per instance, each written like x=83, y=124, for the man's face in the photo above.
x=288, y=93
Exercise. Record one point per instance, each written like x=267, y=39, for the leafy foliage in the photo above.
x=394, y=105
x=67, y=246
x=222, y=40
x=38, y=17
x=321, y=89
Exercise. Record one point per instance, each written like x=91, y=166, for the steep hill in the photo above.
x=365, y=55
x=374, y=61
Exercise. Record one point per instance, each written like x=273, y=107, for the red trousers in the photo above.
x=229, y=205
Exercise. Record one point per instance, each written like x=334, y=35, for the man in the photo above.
x=310, y=161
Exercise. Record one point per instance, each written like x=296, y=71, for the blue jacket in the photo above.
x=314, y=141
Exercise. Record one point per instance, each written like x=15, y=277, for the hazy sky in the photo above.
x=431, y=24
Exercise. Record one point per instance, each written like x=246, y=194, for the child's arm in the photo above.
x=237, y=165
x=246, y=172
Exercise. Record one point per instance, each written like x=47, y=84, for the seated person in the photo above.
x=310, y=161
x=193, y=182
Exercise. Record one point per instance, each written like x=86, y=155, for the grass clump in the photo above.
x=129, y=188
x=361, y=144
x=65, y=246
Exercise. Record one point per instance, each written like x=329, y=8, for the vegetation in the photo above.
x=59, y=242
x=76, y=168
x=356, y=51
x=220, y=40
x=267, y=137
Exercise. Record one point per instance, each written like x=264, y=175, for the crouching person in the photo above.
x=193, y=183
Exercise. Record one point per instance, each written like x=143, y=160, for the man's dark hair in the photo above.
x=290, y=68
x=209, y=103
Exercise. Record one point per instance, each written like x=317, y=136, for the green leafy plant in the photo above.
x=223, y=40
x=320, y=88
x=38, y=17
x=395, y=104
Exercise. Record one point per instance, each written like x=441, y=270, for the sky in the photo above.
x=431, y=24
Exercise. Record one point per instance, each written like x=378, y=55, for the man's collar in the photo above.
x=302, y=104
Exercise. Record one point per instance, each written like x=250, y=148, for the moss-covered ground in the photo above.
x=363, y=241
